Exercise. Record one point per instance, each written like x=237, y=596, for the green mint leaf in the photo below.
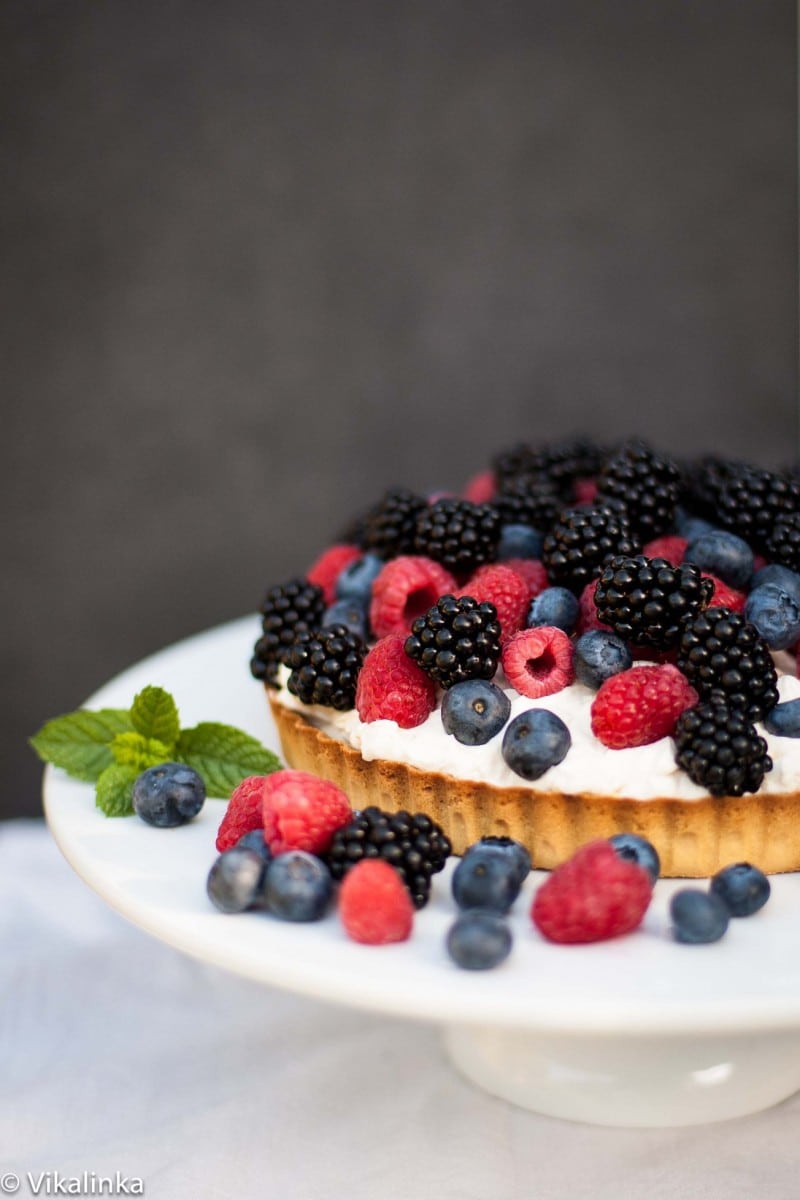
x=224, y=756
x=114, y=788
x=154, y=714
x=133, y=750
x=80, y=742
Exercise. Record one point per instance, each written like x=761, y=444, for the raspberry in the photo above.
x=480, y=488
x=302, y=812
x=724, y=595
x=326, y=569
x=670, y=546
x=374, y=904
x=585, y=491
x=538, y=662
x=243, y=813
x=593, y=896
x=640, y=706
x=587, y=611
x=393, y=688
x=532, y=571
x=506, y=589
x=405, y=589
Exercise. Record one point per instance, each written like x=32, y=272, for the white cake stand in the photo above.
x=638, y=1031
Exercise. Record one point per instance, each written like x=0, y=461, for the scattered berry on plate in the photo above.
x=639, y=706
x=743, y=888
x=724, y=555
x=513, y=850
x=634, y=848
x=475, y=711
x=538, y=661
x=168, y=795
x=244, y=812
x=413, y=844
x=406, y=588
x=297, y=887
x=486, y=877
x=236, y=880
x=327, y=568
x=302, y=812
x=374, y=905
x=456, y=639
x=535, y=741
x=254, y=840
x=479, y=940
x=599, y=654
x=593, y=896
x=393, y=688
x=775, y=613
x=555, y=606
x=698, y=917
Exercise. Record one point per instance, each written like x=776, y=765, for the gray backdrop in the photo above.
x=260, y=260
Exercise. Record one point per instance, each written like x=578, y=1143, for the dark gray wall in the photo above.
x=261, y=259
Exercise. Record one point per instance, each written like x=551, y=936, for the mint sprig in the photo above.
x=112, y=746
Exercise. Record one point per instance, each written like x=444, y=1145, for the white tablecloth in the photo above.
x=119, y=1054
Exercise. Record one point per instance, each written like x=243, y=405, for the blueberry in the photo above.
x=298, y=886
x=349, y=613
x=775, y=614
x=690, y=527
x=513, y=850
x=479, y=940
x=236, y=880
x=697, y=916
x=784, y=719
x=474, y=711
x=722, y=554
x=598, y=656
x=356, y=580
x=554, y=606
x=535, y=741
x=486, y=877
x=254, y=840
x=519, y=541
x=168, y=795
x=742, y=888
x=638, y=850
x=774, y=573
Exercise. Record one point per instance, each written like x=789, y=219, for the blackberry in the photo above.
x=649, y=486
x=719, y=749
x=783, y=543
x=705, y=479
x=289, y=608
x=458, y=534
x=455, y=640
x=528, y=500
x=752, y=500
x=644, y=600
x=389, y=526
x=561, y=463
x=725, y=660
x=510, y=464
x=413, y=844
x=325, y=666
x=581, y=540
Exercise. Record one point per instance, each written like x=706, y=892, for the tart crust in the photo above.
x=694, y=838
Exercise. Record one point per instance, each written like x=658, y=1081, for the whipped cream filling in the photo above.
x=638, y=773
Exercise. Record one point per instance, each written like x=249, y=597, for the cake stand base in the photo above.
x=630, y=1080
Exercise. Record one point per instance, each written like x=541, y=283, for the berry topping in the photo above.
x=527, y=500
x=374, y=904
x=324, y=667
x=719, y=750
x=288, y=610
x=647, y=485
x=474, y=711
x=356, y=580
x=634, y=848
x=328, y=567
x=644, y=600
x=724, y=555
x=532, y=571
x=297, y=887
x=486, y=877
x=775, y=613
x=458, y=534
x=456, y=639
x=725, y=596
x=480, y=488
x=405, y=589
x=670, y=546
x=302, y=812
x=724, y=658
x=236, y=880
x=788, y=580
x=754, y=502
x=479, y=940
x=784, y=719
x=389, y=527
x=505, y=588
x=639, y=706
x=554, y=606
x=168, y=795
x=393, y=688
x=582, y=540
x=593, y=896
x=598, y=656
x=414, y=845
x=742, y=888
x=697, y=917
x=538, y=661
x=519, y=541
x=349, y=613
x=244, y=812
x=588, y=619
x=535, y=741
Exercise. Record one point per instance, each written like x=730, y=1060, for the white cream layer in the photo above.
x=639, y=773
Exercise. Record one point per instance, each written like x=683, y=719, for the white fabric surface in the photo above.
x=119, y=1054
